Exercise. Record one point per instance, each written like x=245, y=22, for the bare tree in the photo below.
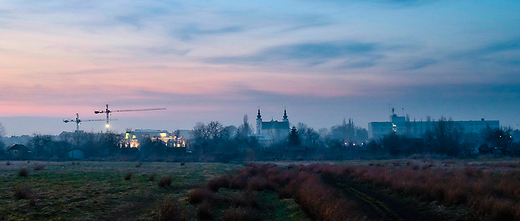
x=447, y=137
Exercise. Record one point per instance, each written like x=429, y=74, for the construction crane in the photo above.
x=108, y=111
x=78, y=121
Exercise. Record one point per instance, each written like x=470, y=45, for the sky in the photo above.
x=218, y=60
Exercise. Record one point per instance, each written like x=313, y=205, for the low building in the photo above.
x=18, y=151
x=172, y=140
x=76, y=153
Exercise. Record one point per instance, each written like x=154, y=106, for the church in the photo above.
x=272, y=130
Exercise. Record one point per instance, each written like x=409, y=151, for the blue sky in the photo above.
x=220, y=60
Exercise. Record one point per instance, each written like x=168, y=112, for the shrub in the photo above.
x=258, y=184
x=138, y=165
x=21, y=192
x=8, y=163
x=240, y=214
x=151, y=177
x=170, y=211
x=23, y=173
x=165, y=181
x=39, y=167
x=128, y=176
x=204, y=211
x=427, y=166
x=238, y=182
x=248, y=199
x=197, y=196
x=221, y=182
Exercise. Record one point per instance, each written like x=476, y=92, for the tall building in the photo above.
x=416, y=129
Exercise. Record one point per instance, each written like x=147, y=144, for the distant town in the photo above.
x=272, y=140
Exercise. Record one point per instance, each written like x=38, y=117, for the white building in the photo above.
x=268, y=132
x=415, y=129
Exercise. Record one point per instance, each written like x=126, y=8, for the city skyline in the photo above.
x=219, y=60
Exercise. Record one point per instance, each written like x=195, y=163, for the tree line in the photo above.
x=215, y=142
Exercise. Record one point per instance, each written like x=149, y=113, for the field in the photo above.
x=403, y=189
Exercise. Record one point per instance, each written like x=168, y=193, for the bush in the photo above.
x=238, y=182
x=197, y=196
x=170, y=211
x=21, y=192
x=240, y=214
x=204, y=211
x=128, y=176
x=39, y=167
x=217, y=183
x=151, y=177
x=165, y=181
x=138, y=165
x=23, y=173
x=248, y=199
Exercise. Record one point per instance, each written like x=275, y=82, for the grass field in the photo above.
x=403, y=189
x=99, y=190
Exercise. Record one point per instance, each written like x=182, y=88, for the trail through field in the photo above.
x=379, y=206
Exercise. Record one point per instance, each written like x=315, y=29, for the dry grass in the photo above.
x=493, y=193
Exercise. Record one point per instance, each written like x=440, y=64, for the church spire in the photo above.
x=258, y=116
x=285, y=119
x=258, y=122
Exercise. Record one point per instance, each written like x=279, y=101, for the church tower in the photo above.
x=258, y=122
x=285, y=119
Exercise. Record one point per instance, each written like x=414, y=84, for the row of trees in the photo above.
x=214, y=140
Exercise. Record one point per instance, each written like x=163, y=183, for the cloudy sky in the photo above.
x=219, y=60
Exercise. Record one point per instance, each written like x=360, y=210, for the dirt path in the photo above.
x=379, y=206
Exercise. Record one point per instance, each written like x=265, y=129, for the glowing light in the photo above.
x=163, y=134
x=107, y=125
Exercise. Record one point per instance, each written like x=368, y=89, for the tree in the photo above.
x=446, y=137
x=499, y=138
x=209, y=138
x=110, y=141
x=294, y=138
x=308, y=136
x=42, y=144
x=393, y=143
x=245, y=129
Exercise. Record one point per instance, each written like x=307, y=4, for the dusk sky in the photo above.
x=219, y=60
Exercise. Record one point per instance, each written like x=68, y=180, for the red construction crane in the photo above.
x=78, y=121
x=108, y=111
